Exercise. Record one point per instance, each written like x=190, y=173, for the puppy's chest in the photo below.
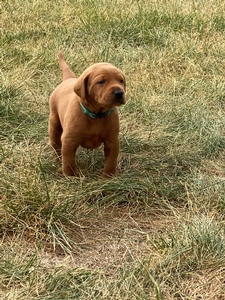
x=94, y=133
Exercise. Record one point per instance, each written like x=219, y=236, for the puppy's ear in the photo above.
x=125, y=85
x=80, y=87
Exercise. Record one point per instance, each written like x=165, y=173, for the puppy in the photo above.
x=83, y=112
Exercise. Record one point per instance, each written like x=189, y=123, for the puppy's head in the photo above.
x=102, y=85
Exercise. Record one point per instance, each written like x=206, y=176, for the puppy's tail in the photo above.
x=66, y=71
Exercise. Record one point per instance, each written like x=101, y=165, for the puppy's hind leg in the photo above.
x=66, y=71
x=55, y=132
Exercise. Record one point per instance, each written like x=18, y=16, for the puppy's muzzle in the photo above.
x=119, y=96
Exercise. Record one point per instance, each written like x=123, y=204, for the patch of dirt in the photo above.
x=116, y=236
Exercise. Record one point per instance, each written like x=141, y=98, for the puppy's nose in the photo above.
x=118, y=94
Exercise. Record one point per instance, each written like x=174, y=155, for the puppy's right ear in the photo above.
x=80, y=87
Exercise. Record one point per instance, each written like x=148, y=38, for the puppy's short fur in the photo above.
x=98, y=91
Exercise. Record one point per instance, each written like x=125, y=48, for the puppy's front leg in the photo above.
x=68, y=156
x=111, y=150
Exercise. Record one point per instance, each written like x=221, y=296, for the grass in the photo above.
x=156, y=231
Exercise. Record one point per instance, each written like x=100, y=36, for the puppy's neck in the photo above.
x=97, y=115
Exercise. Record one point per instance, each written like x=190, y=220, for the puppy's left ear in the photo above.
x=80, y=87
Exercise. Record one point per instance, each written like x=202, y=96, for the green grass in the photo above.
x=156, y=231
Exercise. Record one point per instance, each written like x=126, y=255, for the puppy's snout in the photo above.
x=118, y=94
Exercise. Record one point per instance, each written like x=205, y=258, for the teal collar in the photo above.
x=96, y=116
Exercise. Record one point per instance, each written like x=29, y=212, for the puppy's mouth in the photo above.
x=114, y=98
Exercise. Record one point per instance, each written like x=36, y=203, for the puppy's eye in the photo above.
x=101, y=81
x=121, y=81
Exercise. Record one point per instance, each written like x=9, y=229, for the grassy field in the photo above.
x=157, y=230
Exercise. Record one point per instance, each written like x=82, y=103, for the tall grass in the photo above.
x=156, y=231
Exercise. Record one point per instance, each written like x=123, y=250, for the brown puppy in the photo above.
x=83, y=112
